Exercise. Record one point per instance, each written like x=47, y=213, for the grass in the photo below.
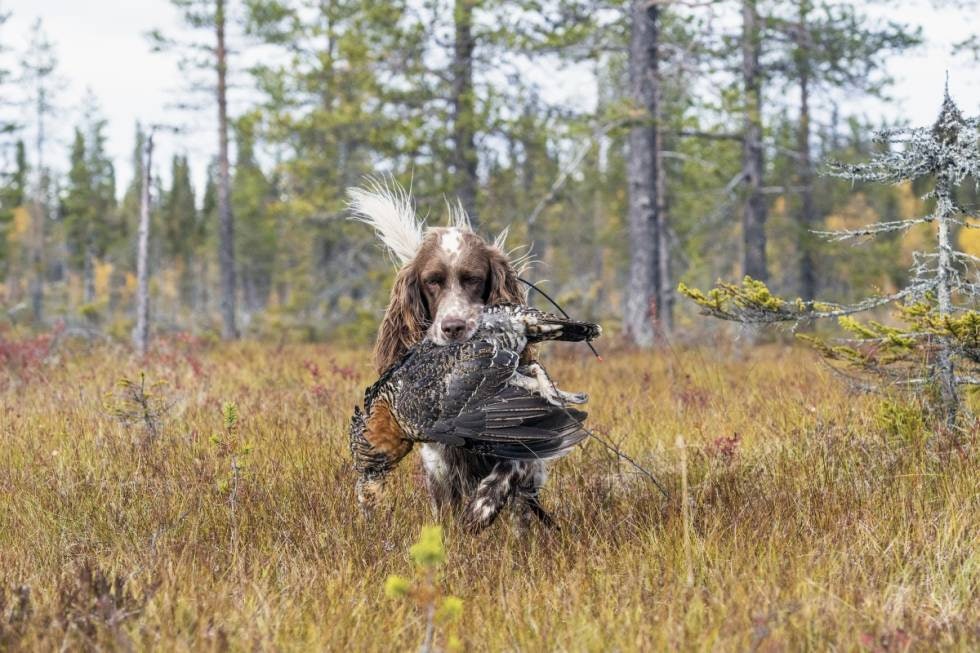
x=814, y=519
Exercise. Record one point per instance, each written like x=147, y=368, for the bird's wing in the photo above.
x=515, y=424
x=480, y=370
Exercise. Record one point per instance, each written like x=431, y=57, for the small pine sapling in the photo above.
x=136, y=403
x=938, y=346
x=233, y=449
x=423, y=591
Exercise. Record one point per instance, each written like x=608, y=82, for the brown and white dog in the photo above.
x=447, y=275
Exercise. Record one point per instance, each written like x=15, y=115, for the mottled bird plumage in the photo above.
x=473, y=397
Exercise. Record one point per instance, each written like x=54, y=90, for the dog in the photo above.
x=446, y=276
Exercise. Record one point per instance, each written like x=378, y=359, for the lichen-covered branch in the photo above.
x=939, y=344
x=753, y=303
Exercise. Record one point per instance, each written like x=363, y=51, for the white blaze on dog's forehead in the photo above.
x=452, y=241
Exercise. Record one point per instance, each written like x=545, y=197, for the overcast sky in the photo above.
x=101, y=45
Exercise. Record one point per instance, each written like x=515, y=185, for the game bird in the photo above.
x=475, y=396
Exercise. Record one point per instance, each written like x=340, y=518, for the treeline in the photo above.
x=635, y=144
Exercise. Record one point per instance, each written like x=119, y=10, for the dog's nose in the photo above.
x=453, y=328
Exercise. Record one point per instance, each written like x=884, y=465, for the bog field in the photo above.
x=145, y=516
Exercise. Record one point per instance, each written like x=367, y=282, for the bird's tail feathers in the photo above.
x=542, y=326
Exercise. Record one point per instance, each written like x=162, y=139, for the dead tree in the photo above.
x=938, y=348
x=141, y=334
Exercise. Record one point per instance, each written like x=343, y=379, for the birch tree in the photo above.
x=938, y=347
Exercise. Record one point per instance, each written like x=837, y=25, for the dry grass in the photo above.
x=817, y=520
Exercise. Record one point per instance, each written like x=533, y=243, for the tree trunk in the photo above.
x=598, y=253
x=807, y=216
x=945, y=210
x=141, y=334
x=226, y=226
x=665, y=287
x=641, y=292
x=39, y=219
x=464, y=109
x=37, y=262
x=88, y=276
x=754, y=216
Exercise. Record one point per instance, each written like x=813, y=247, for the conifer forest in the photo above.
x=209, y=250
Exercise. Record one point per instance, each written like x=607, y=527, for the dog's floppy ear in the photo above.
x=503, y=284
x=405, y=320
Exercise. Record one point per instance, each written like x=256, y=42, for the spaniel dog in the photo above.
x=447, y=275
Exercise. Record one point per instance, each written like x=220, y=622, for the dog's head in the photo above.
x=447, y=275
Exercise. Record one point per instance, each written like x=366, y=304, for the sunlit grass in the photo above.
x=817, y=519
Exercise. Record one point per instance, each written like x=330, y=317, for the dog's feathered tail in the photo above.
x=387, y=207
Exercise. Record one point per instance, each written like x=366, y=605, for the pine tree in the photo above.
x=832, y=47
x=39, y=76
x=348, y=91
x=216, y=18
x=939, y=346
x=644, y=146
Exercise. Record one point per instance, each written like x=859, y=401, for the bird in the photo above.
x=475, y=396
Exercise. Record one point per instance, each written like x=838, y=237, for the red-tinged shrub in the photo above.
x=725, y=448
x=24, y=359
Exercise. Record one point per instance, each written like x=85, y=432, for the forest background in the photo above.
x=633, y=145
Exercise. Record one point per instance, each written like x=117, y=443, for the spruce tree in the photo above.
x=89, y=203
x=179, y=222
x=832, y=47
x=77, y=208
x=938, y=346
x=13, y=195
x=251, y=196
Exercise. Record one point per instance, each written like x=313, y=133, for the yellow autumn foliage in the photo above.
x=21, y=224
x=968, y=241
x=102, y=277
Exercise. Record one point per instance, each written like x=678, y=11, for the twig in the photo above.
x=572, y=166
x=607, y=445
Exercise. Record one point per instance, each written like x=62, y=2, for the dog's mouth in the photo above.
x=448, y=331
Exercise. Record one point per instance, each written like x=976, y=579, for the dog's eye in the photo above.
x=471, y=281
x=433, y=282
